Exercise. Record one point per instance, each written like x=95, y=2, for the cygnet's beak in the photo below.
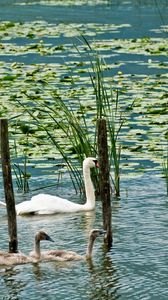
x=102, y=231
x=48, y=238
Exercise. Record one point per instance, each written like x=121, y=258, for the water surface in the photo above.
x=136, y=267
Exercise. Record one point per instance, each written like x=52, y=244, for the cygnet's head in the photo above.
x=96, y=232
x=43, y=236
x=91, y=162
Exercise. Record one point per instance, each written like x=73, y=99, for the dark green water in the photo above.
x=136, y=267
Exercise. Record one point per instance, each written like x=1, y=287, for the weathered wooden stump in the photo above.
x=8, y=186
x=104, y=180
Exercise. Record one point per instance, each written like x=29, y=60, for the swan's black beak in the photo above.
x=96, y=163
x=48, y=238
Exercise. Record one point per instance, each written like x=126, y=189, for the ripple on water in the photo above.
x=135, y=268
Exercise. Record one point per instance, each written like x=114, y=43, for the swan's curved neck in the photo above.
x=90, y=247
x=37, y=247
x=89, y=188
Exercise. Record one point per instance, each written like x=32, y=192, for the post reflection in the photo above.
x=13, y=285
x=104, y=281
x=37, y=271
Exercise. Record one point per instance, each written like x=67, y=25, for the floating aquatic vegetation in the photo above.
x=145, y=46
x=43, y=29
x=65, y=2
x=162, y=29
x=34, y=63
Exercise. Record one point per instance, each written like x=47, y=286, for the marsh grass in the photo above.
x=73, y=131
x=69, y=134
x=20, y=170
x=107, y=107
x=22, y=175
x=22, y=178
x=78, y=142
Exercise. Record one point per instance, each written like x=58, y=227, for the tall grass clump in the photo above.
x=107, y=107
x=22, y=177
x=20, y=170
x=73, y=131
x=77, y=142
x=69, y=134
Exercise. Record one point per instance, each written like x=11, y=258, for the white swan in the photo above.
x=43, y=204
x=62, y=255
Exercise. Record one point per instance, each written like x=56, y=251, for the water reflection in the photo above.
x=12, y=285
x=139, y=221
x=37, y=271
x=104, y=281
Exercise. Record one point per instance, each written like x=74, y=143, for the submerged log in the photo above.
x=104, y=180
x=8, y=186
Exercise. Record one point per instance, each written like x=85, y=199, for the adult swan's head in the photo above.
x=90, y=162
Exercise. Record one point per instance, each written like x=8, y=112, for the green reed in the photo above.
x=22, y=177
x=21, y=172
x=69, y=134
x=76, y=134
x=72, y=132
x=108, y=108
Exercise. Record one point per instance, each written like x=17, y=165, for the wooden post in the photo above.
x=8, y=186
x=104, y=180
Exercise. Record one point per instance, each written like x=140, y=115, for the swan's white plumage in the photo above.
x=47, y=204
x=2, y=204
x=42, y=204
